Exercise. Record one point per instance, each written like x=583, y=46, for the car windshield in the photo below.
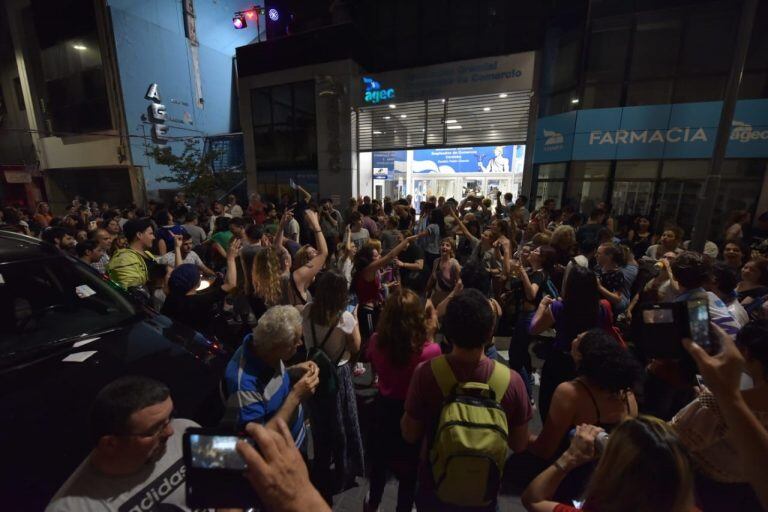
x=46, y=300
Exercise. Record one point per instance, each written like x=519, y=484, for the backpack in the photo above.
x=469, y=450
x=329, y=380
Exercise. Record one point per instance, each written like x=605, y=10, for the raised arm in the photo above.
x=306, y=273
x=230, y=282
x=178, y=260
x=280, y=235
x=463, y=227
x=307, y=195
x=384, y=260
x=530, y=289
x=722, y=375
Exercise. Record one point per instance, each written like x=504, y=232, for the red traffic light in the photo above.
x=251, y=14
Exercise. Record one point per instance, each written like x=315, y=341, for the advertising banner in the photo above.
x=485, y=159
x=685, y=130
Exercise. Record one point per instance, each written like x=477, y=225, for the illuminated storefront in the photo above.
x=445, y=130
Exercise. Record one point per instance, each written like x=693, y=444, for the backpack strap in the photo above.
x=499, y=380
x=444, y=376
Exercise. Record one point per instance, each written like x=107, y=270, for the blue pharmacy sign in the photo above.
x=684, y=130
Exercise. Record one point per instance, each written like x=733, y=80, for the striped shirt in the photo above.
x=258, y=391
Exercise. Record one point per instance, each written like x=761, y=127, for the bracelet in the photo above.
x=559, y=465
x=318, y=231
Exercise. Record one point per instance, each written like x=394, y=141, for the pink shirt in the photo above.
x=394, y=380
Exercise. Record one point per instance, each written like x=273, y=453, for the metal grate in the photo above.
x=472, y=120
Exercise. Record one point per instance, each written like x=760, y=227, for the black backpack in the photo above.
x=329, y=380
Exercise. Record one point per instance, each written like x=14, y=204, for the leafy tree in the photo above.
x=194, y=171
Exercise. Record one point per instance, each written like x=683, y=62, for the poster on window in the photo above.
x=484, y=159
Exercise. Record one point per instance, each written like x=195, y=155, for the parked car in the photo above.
x=65, y=332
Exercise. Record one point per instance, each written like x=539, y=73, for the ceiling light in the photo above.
x=79, y=47
x=376, y=132
x=455, y=127
x=403, y=116
x=503, y=95
x=451, y=121
x=486, y=109
x=574, y=100
x=443, y=100
x=392, y=105
x=387, y=117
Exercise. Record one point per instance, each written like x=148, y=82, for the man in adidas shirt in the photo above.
x=137, y=461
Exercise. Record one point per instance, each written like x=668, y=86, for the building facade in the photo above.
x=631, y=95
x=116, y=79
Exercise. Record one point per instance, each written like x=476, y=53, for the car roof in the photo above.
x=15, y=247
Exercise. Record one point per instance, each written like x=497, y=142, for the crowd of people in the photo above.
x=419, y=305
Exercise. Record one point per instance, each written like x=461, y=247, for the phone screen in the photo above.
x=698, y=321
x=658, y=316
x=215, y=452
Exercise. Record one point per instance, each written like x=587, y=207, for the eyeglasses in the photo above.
x=154, y=432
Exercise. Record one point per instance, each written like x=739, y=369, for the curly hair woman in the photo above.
x=402, y=341
x=601, y=394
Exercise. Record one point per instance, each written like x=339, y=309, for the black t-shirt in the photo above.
x=539, y=277
x=411, y=278
x=194, y=310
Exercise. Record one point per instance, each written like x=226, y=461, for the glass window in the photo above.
x=636, y=169
x=744, y=168
x=42, y=305
x=601, y=96
x=585, y=195
x=708, y=42
x=732, y=196
x=590, y=170
x=284, y=129
x=678, y=203
x=632, y=197
x=549, y=190
x=551, y=171
x=607, y=50
x=566, y=63
x=655, y=92
x=685, y=169
x=754, y=85
x=655, y=48
x=559, y=103
x=67, y=58
x=19, y=93
x=689, y=90
x=757, y=56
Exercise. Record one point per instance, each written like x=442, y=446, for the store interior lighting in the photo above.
x=486, y=109
x=403, y=116
x=574, y=100
x=454, y=127
x=387, y=117
x=451, y=121
x=503, y=95
x=392, y=105
x=79, y=47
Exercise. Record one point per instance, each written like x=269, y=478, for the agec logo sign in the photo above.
x=374, y=93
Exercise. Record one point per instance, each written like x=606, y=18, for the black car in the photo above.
x=65, y=332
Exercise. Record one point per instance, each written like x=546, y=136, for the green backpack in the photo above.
x=470, y=446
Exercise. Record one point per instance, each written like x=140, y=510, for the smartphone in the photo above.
x=214, y=470
x=209, y=451
x=698, y=322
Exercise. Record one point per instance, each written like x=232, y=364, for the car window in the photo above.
x=46, y=300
